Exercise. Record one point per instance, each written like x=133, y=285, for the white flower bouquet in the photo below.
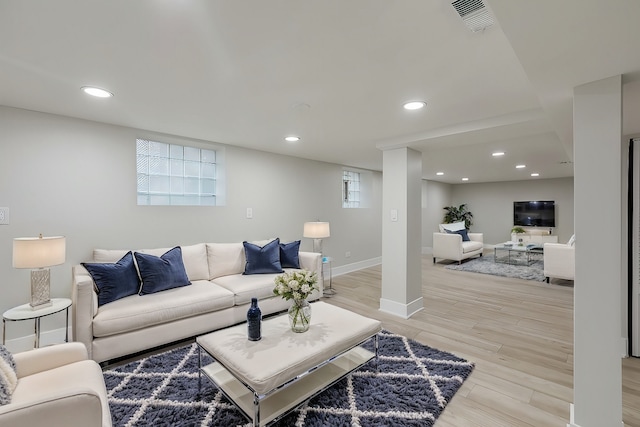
x=296, y=285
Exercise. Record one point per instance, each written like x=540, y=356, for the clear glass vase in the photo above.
x=300, y=315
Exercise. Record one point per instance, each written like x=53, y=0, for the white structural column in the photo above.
x=401, y=232
x=597, y=375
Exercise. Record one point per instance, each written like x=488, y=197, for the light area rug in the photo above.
x=412, y=387
x=487, y=265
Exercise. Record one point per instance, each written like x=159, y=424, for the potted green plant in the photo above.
x=457, y=214
x=517, y=231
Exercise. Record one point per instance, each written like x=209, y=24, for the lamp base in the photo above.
x=40, y=289
x=317, y=246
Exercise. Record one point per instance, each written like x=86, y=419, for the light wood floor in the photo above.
x=518, y=332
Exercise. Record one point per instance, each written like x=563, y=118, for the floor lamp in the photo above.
x=39, y=253
x=317, y=231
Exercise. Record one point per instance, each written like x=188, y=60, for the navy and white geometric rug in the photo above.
x=412, y=386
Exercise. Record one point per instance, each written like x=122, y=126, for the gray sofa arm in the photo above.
x=84, y=307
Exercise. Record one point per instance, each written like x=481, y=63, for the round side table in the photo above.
x=328, y=292
x=24, y=312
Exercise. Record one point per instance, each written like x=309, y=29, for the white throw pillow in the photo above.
x=572, y=241
x=454, y=226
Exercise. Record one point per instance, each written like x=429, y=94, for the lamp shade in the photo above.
x=316, y=230
x=38, y=252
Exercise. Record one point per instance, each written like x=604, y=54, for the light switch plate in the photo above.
x=4, y=216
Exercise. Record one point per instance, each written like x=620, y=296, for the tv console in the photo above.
x=533, y=237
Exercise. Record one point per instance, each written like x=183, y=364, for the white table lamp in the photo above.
x=316, y=231
x=39, y=253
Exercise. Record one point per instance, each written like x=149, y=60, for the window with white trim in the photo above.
x=350, y=189
x=171, y=174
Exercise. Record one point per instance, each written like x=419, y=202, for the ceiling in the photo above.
x=334, y=72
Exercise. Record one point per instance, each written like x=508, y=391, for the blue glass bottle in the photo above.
x=254, y=317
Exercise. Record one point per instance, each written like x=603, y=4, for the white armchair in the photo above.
x=451, y=246
x=560, y=260
x=57, y=386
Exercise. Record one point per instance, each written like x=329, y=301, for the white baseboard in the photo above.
x=27, y=342
x=350, y=268
x=572, y=423
x=401, y=310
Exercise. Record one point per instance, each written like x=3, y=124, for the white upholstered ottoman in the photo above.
x=268, y=378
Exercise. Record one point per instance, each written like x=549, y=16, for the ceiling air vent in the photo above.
x=474, y=13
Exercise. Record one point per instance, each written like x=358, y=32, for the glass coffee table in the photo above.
x=517, y=255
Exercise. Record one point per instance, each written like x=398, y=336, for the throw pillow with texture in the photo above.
x=161, y=273
x=454, y=226
x=290, y=254
x=114, y=280
x=262, y=259
x=8, y=378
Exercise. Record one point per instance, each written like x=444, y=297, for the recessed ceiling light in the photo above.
x=439, y=173
x=535, y=174
x=414, y=105
x=465, y=179
x=498, y=154
x=96, y=91
x=521, y=166
x=292, y=138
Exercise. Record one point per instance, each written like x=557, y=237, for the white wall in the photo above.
x=63, y=176
x=492, y=205
x=435, y=196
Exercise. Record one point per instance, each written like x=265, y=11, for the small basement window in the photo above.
x=350, y=189
x=171, y=174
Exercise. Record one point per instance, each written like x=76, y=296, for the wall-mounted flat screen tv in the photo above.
x=534, y=213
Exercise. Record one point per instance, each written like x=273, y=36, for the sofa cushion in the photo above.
x=262, y=259
x=114, y=280
x=139, y=312
x=290, y=254
x=108, y=255
x=225, y=259
x=161, y=273
x=83, y=377
x=246, y=287
x=471, y=246
x=8, y=377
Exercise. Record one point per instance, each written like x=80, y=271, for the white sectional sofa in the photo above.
x=219, y=295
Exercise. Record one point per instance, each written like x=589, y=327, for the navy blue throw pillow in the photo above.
x=114, y=281
x=289, y=254
x=262, y=260
x=162, y=273
x=463, y=233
